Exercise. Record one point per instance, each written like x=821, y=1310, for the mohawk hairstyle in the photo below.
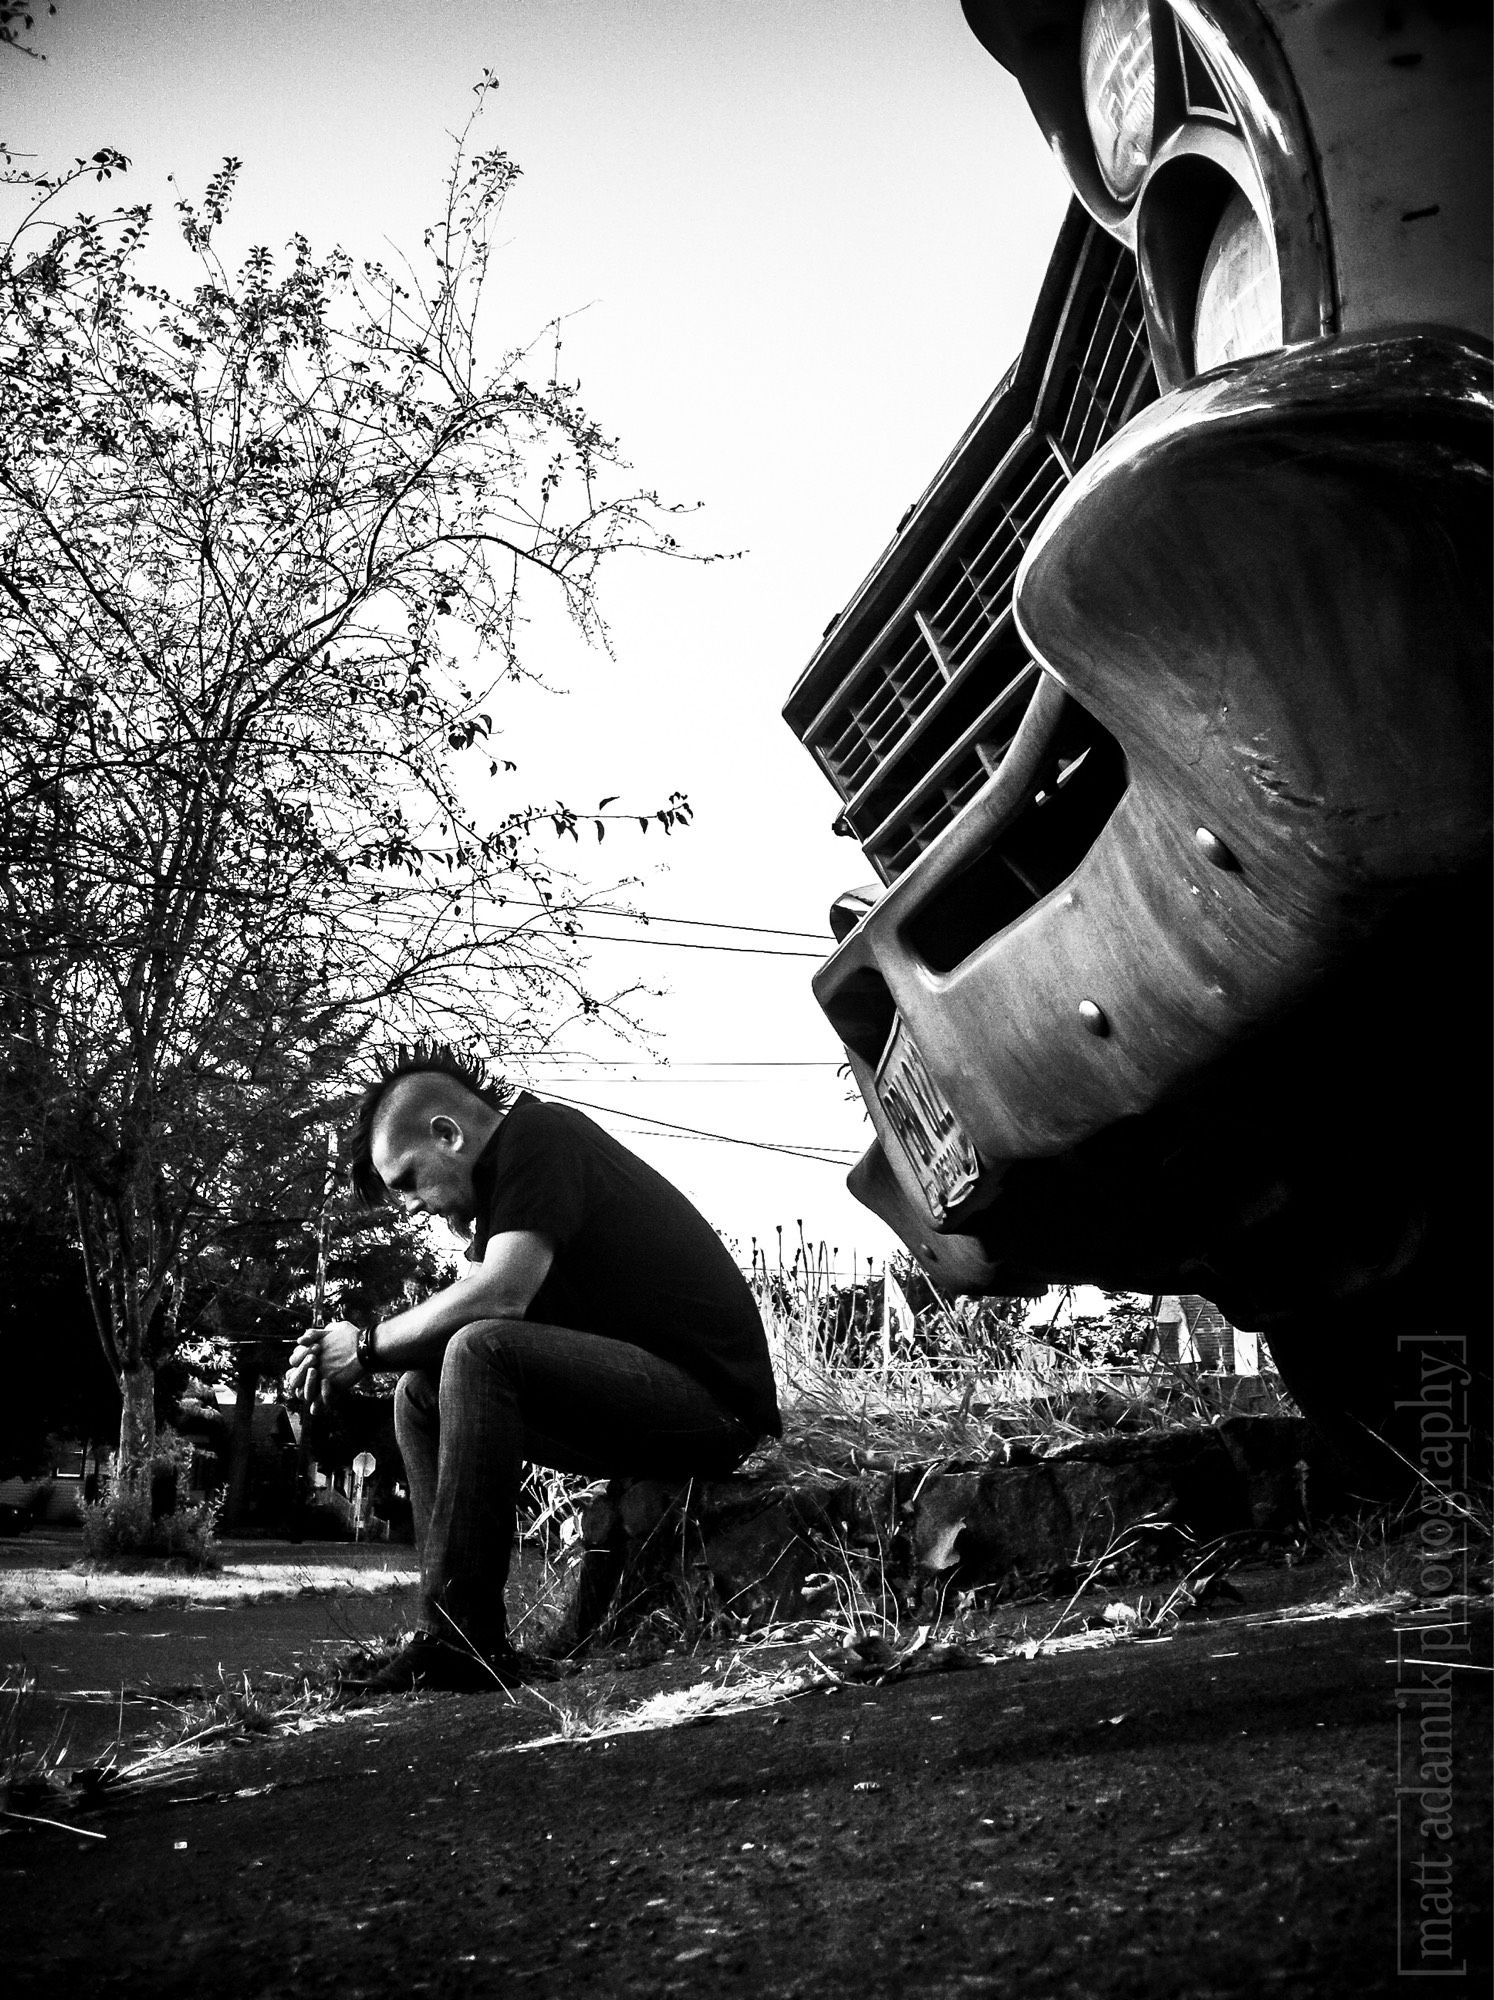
x=410, y=1059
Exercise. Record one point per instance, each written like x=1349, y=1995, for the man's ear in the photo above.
x=446, y=1132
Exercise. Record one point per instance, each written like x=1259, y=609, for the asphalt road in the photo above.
x=1214, y=1815
x=97, y=1678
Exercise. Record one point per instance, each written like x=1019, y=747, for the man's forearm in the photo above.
x=416, y=1338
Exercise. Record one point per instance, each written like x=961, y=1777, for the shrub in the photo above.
x=124, y=1527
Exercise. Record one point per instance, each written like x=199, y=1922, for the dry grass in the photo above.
x=33, y=1771
x=967, y=1411
x=1380, y=1553
x=589, y=1715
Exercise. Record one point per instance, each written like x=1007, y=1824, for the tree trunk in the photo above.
x=241, y=1444
x=94, y=1278
x=137, y=1422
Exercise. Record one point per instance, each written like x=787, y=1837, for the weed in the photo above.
x=551, y=1505
x=540, y=1584
x=579, y=1712
x=31, y=1773
x=234, y=1712
x=863, y=1595
x=1381, y=1555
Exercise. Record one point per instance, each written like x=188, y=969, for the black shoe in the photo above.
x=429, y=1661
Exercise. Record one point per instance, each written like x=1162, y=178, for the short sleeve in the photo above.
x=540, y=1184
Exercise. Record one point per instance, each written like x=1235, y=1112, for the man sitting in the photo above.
x=601, y=1328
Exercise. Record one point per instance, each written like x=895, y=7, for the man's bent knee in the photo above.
x=480, y=1340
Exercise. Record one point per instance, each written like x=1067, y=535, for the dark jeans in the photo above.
x=510, y=1390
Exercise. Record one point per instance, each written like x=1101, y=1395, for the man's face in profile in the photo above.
x=427, y=1169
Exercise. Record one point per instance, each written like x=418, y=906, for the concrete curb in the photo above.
x=767, y=1548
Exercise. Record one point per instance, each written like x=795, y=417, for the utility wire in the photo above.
x=723, y=1138
x=689, y=944
x=651, y=917
x=723, y=1062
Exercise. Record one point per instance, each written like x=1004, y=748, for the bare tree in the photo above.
x=263, y=550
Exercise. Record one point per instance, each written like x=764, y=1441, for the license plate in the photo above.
x=923, y=1124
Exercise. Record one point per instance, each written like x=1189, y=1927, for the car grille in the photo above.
x=925, y=717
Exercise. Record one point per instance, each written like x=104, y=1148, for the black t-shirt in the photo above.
x=633, y=1258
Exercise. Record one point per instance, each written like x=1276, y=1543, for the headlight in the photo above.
x=1115, y=57
x=1239, y=298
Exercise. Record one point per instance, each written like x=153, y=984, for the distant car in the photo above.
x=1164, y=720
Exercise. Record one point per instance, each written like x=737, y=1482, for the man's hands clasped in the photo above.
x=324, y=1360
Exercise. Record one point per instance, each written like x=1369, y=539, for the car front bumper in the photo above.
x=1272, y=590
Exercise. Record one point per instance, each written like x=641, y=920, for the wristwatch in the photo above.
x=367, y=1359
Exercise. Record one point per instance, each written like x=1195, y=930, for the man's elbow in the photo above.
x=497, y=1302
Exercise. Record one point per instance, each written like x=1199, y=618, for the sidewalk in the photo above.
x=43, y=1575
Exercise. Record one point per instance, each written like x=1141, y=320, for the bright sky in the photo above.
x=803, y=238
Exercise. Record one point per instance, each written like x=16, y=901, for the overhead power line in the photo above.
x=668, y=1069
x=653, y=917
x=691, y=944
x=657, y=1076
x=822, y=1154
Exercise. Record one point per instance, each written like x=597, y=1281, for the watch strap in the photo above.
x=367, y=1357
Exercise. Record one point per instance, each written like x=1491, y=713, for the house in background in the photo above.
x=1192, y=1333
